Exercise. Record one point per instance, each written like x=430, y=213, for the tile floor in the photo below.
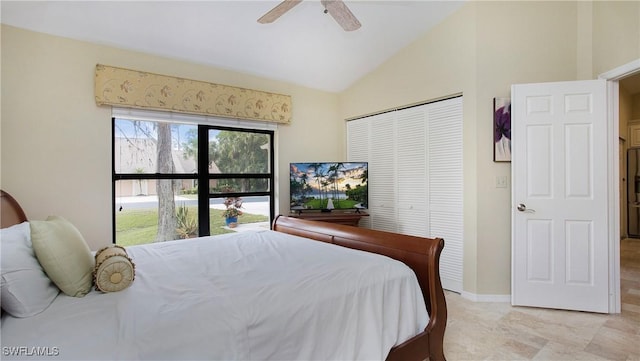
x=498, y=331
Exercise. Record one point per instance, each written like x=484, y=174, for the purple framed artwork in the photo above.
x=501, y=129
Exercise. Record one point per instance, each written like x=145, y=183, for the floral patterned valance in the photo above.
x=137, y=89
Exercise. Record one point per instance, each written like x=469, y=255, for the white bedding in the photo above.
x=260, y=295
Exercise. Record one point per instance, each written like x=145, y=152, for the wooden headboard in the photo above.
x=10, y=211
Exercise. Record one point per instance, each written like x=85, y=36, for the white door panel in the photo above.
x=559, y=166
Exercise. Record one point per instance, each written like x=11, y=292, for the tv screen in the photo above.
x=328, y=185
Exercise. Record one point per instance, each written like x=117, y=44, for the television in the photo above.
x=327, y=186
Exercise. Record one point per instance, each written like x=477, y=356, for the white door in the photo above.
x=559, y=171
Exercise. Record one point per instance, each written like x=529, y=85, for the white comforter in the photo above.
x=248, y=296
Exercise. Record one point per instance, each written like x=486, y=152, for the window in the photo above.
x=160, y=167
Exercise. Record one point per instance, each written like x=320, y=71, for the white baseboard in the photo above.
x=485, y=298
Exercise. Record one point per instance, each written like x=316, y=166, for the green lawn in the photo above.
x=140, y=226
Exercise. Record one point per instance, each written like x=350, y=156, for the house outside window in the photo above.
x=158, y=167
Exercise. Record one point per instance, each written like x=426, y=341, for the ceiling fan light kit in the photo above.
x=336, y=8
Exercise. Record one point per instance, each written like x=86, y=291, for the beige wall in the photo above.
x=616, y=34
x=56, y=143
x=480, y=51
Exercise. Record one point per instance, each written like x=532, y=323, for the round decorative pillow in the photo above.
x=114, y=269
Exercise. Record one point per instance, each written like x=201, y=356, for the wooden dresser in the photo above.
x=348, y=218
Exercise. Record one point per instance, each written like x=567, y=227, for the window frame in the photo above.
x=202, y=175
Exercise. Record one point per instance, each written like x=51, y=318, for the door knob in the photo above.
x=523, y=208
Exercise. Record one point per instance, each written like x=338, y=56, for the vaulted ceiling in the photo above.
x=305, y=46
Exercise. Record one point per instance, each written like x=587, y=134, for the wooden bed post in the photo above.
x=436, y=334
x=10, y=211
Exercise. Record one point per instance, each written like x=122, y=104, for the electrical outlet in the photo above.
x=501, y=181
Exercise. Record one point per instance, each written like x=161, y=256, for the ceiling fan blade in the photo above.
x=273, y=14
x=341, y=14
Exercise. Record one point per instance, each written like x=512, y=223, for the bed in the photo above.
x=237, y=297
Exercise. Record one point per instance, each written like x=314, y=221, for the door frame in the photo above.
x=613, y=169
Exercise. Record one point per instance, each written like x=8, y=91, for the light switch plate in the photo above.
x=501, y=181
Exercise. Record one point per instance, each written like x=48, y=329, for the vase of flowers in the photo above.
x=232, y=212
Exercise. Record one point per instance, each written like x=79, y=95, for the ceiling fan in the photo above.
x=335, y=8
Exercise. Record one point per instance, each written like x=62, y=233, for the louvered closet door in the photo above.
x=412, y=180
x=358, y=151
x=415, y=175
x=446, y=187
x=383, y=173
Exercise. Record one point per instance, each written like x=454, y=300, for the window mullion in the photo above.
x=203, y=181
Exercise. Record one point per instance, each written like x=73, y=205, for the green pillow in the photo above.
x=63, y=254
